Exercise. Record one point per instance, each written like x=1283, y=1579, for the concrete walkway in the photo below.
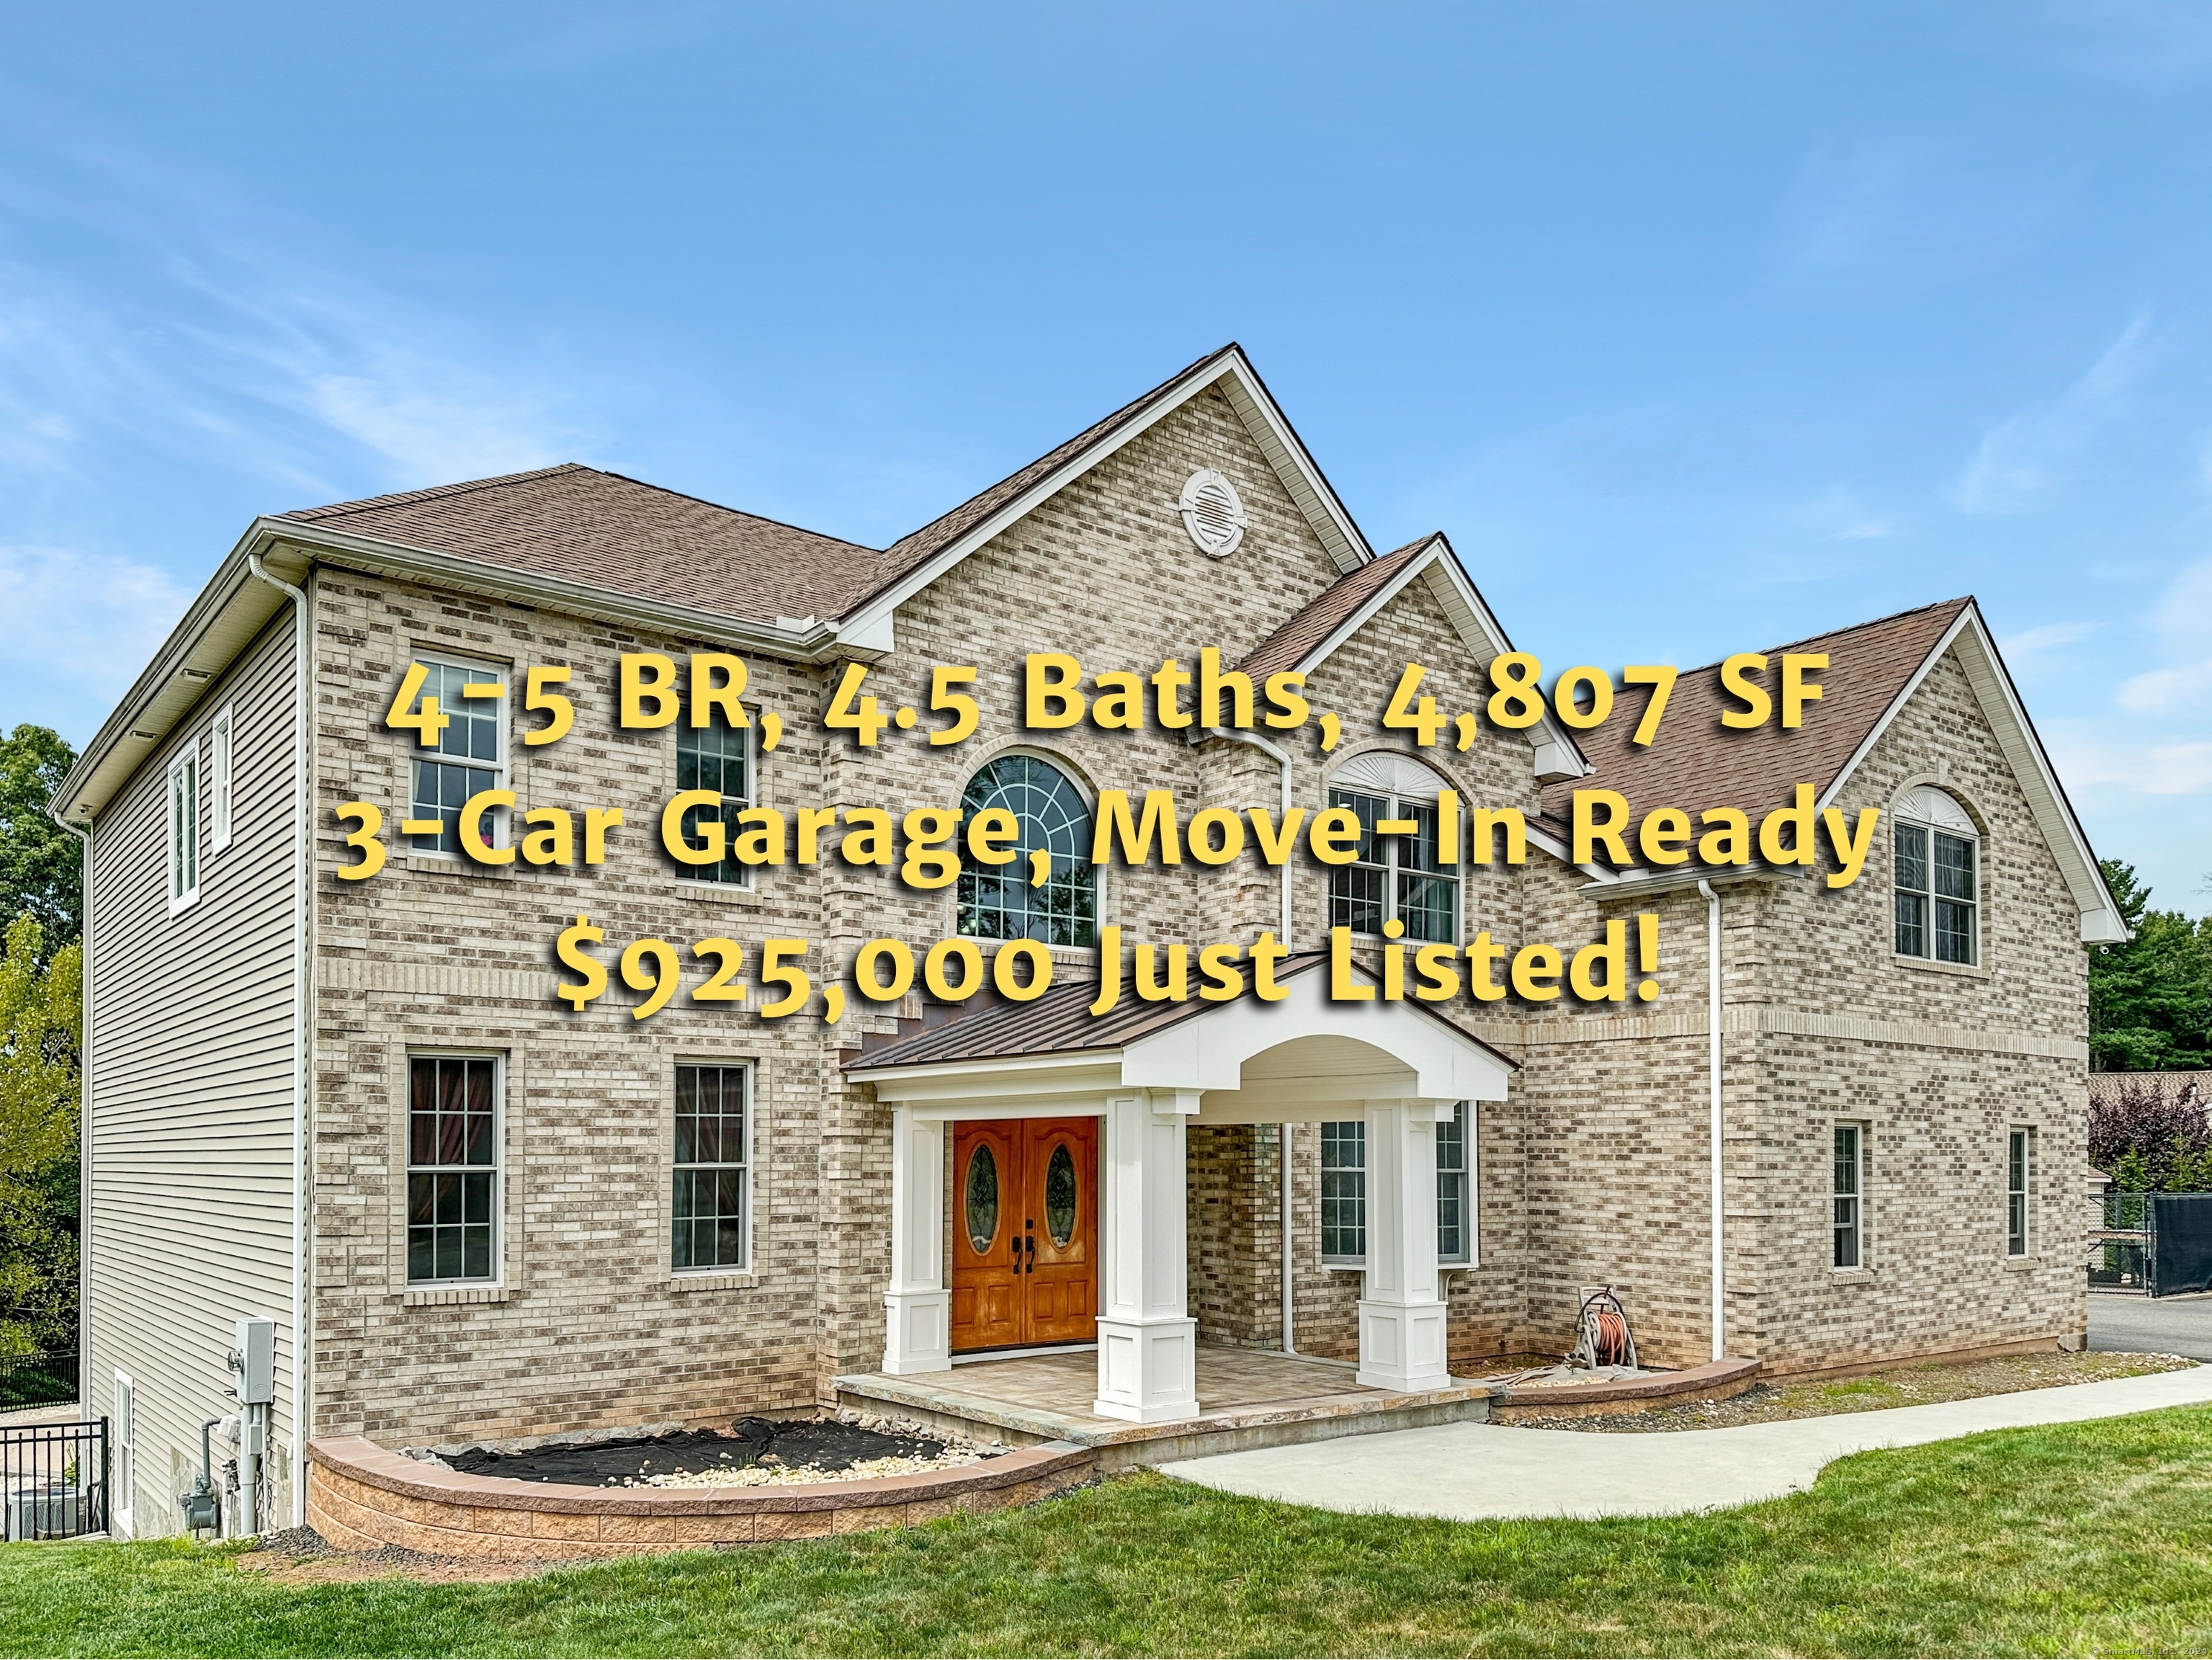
x=1470, y=1472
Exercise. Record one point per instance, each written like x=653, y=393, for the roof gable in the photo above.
x=916, y=560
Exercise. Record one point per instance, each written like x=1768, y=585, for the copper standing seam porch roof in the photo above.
x=1696, y=763
x=991, y=1028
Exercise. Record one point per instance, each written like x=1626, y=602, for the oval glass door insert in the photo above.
x=982, y=1199
x=1060, y=1196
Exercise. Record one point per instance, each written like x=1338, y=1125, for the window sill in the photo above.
x=740, y=1281
x=1851, y=1276
x=2022, y=1264
x=1344, y=1267
x=1928, y=964
x=452, y=863
x=439, y=1296
x=719, y=893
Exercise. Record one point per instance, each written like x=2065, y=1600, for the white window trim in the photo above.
x=222, y=774
x=1473, y=1222
x=1321, y=1142
x=408, y=1167
x=747, y=1269
x=122, y=1454
x=502, y=773
x=1066, y=767
x=1403, y=781
x=1902, y=813
x=2025, y=1134
x=684, y=875
x=1859, y=1128
x=186, y=759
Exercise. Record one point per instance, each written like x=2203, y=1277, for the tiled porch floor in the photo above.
x=1245, y=1400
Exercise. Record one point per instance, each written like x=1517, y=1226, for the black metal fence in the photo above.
x=36, y=1380
x=53, y=1480
x=2155, y=1244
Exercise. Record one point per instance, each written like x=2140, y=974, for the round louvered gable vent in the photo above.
x=1212, y=514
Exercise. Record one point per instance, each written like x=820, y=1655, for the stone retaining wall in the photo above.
x=361, y=1497
x=1717, y=1380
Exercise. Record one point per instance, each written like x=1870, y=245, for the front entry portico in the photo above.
x=1145, y=1072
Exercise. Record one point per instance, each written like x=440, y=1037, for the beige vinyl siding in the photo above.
x=191, y=1121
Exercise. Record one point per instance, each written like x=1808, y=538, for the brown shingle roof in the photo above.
x=1286, y=647
x=989, y=1028
x=1695, y=763
x=585, y=526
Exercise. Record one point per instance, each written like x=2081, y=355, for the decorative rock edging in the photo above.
x=1717, y=1380
x=361, y=1497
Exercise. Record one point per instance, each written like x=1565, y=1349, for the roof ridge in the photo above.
x=723, y=507
x=429, y=492
x=1853, y=628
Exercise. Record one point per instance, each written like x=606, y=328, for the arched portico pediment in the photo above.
x=1304, y=1057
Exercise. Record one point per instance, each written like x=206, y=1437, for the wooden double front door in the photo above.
x=1024, y=1232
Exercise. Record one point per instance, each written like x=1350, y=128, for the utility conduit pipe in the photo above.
x=1281, y=757
x=1713, y=1039
x=302, y=895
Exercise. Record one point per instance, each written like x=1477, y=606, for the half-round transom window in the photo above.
x=1213, y=513
x=996, y=901
x=1937, y=878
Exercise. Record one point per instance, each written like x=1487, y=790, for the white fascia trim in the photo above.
x=2031, y=765
x=870, y=626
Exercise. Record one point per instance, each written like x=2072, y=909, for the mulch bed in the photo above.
x=823, y=1443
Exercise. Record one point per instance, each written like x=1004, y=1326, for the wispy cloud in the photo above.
x=2030, y=642
x=2022, y=460
x=88, y=619
x=1838, y=515
x=2159, y=44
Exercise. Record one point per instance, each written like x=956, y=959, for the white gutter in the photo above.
x=1713, y=1024
x=1283, y=1131
x=303, y=1186
x=83, y=833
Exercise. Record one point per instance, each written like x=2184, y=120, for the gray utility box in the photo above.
x=253, y=1362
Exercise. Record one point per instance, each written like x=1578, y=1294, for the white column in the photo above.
x=1402, y=1319
x=918, y=1307
x=1148, y=1342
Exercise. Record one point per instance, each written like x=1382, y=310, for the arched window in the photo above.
x=1395, y=873
x=1937, y=877
x=996, y=901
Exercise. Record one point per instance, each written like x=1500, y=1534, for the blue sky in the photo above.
x=1698, y=327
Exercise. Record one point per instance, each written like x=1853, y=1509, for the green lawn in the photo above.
x=2083, y=1538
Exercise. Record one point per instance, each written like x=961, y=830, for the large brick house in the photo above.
x=1851, y=1127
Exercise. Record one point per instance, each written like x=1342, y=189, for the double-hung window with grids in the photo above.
x=1400, y=871
x=716, y=756
x=2018, y=1155
x=710, y=1210
x=471, y=755
x=453, y=1168
x=1937, y=880
x=1849, y=1199
x=221, y=772
x=1344, y=1193
x=1455, y=1189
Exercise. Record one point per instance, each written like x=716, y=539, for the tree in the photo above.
x=41, y=867
x=2150, y=997
x=41, y=1004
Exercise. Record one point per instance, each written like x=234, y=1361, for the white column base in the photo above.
x=1401, y=1346
x=1147, y=1369
x=917, y=1332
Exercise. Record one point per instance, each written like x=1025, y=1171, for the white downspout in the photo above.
x=303, y=890
x=1282, y=759
x=85, y=1397
x=1713, y=1025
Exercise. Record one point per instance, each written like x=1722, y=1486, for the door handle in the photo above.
x=1032, y=1243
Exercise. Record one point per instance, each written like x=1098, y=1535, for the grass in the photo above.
x=2089, y=1538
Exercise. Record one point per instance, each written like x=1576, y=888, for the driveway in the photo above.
x=2171, y=1325
x=1469, y=1472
